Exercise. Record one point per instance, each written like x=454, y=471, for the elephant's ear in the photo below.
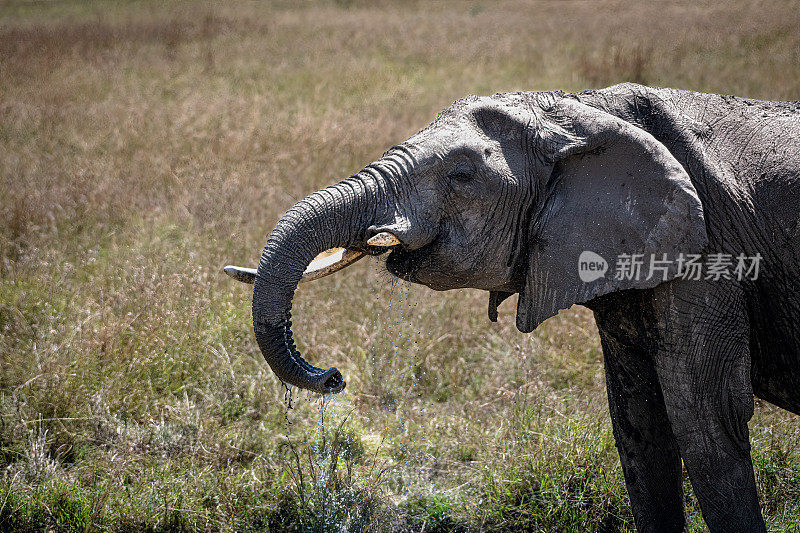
x=612, y=192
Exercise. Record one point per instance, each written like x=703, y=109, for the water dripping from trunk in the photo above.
x=288, y=401
x=405, y=379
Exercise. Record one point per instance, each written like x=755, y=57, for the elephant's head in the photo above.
x=499, y=193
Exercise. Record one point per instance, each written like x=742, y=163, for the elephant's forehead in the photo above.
x=464, y=108
x=433, y=144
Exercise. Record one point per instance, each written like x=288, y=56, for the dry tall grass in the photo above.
x=146, y=144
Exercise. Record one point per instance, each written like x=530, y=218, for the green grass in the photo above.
x=145, y=145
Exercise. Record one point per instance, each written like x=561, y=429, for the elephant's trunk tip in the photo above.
x=332, y=381
x=329, y=381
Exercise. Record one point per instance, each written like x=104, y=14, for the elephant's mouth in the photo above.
x=420, y=266
x=403, y=264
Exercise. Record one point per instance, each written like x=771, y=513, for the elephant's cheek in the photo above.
x=440, y=279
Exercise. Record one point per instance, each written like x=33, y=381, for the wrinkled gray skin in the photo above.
x=503, y=193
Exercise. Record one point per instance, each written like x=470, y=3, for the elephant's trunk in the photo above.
x=337, y=216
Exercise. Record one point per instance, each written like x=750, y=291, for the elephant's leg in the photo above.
x=647, y=449
x=703, y=366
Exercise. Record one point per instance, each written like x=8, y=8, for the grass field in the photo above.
x=144, y=145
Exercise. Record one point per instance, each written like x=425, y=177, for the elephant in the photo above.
x=539, y=194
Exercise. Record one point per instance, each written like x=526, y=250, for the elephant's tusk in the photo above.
x=329, y=262
x=383, y=239
x=325, y=263
x=245, y=275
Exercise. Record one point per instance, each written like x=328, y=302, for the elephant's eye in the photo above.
x=461, y=176
x=463, y=171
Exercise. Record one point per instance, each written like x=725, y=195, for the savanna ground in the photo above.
x=143, y=145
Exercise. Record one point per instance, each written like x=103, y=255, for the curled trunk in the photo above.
x=337, y=216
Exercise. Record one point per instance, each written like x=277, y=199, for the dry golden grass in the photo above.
x=144, y=145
